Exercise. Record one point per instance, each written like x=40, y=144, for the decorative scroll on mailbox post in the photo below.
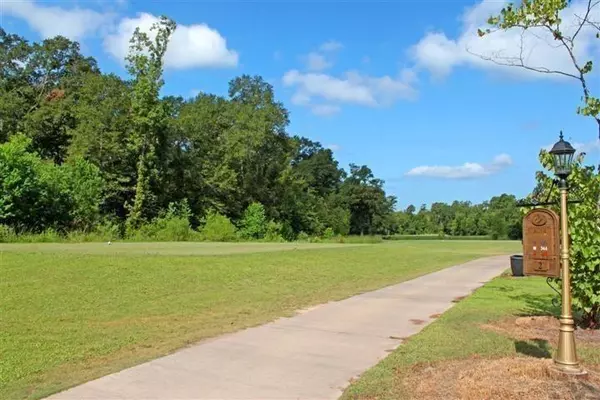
x=541, y=243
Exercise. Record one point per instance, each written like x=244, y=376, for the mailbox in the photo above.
x=541, y=243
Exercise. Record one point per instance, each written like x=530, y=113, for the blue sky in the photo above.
x=393, y=85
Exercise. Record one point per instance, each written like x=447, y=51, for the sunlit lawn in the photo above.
x=70, y=313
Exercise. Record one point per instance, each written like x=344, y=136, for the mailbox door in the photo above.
x=542, y=266
x=541, y=255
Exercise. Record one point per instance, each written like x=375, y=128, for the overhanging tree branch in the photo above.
x=544, y=15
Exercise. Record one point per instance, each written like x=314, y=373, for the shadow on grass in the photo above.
x=537, y=305
x=501, y=289
x=538, y=349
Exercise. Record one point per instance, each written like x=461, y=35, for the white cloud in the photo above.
x=317, y=62
x=325, y=109
x=439, y=54
x=321, y=59
x=333, y=147
x=587, y=148
x=353, y=87
x=50, y=21
x=331, y=45
x=501, y=161
x=301, y=99
x=190, y=46
x=466, y=171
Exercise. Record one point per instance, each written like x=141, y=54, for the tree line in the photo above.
x=82, y=150
x=498, y=218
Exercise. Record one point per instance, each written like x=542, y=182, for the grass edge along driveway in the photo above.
x=458, y=334
x=69, y=317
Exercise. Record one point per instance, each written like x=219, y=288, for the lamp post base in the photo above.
x=568, y=369
x=565, y=360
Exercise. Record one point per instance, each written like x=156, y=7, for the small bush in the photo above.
x=287, y=232
x=173, y=226
x=273, y=232
x=303, y=237
x=104, y=232
x=109, y=230
x=218, y=228
x=48, y=236
x=254, y=223
x=7, y=234
x=175, y=229
x=328, y=234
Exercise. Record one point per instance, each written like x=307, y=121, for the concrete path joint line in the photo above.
x=312, y=355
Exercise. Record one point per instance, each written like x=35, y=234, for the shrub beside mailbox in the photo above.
x=541, y=243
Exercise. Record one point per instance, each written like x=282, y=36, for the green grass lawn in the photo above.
x=70, y=313
x=458, y=334
x=164, y=248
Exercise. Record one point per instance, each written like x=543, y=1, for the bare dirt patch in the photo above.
x=539, y=328
x=435, y=316
x=418, y=321
x=499, y=379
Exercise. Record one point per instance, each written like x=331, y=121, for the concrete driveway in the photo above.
x=312, y=355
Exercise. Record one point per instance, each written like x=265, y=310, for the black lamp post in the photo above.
x=566, y=354
x=563, y=158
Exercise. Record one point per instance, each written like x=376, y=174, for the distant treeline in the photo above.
x=498, y=218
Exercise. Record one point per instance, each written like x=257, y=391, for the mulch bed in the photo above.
x=500, y=379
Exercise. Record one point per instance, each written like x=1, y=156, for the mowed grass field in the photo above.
x=73, y=312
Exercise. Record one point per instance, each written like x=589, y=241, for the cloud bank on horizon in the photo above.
x=468, y=170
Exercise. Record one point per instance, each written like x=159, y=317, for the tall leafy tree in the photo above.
x=39, y=82
x=365, y=198
x=102, y=134
x=145, y=64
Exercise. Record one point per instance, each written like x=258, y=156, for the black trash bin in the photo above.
x=516, y=265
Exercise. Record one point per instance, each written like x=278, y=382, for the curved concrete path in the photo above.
x=312, y=355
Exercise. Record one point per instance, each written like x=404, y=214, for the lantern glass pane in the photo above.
x=563, y=161
x=557, y=162
x=569, y=161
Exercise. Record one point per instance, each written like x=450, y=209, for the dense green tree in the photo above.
x=37, y=86
x=148, y=117
x=316, y=166
x=365, y=199
x=101, y=136
x=37, y=195
x=257, y=146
